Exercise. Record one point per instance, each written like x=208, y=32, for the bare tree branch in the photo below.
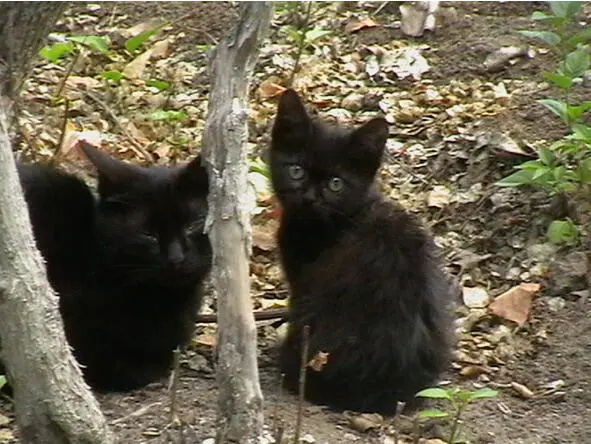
x=225, y=136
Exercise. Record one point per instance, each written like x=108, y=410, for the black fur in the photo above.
x=361, y=270
x=128, y=266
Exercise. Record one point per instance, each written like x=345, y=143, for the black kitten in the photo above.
x=128, y=267
x=362, y=271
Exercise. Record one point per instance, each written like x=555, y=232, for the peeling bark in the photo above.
x=52, y=402
x=240, y=399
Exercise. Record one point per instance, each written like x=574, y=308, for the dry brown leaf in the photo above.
x=139, y=28
x=83, y=82
x=135, y=69
x=268, y=90
x=318, y=362
x=6, y=435
x=515, y=304
x=472, y=371
x=357, y=25
x=71, y=139
x=366, y=421
x=264, y=236
x=160, y=49
x=522, y=390
x=268, y=304
x=205, y=339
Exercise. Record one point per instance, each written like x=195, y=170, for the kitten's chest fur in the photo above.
x=303, y=238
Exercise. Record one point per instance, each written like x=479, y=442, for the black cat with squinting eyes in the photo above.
x=362, y=272
x=128, y=266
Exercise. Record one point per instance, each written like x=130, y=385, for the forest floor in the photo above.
x=459, y=125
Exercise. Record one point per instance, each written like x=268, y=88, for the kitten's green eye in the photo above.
x=335, y=184
x=296, y=172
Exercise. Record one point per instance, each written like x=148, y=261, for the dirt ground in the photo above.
x=491, y=238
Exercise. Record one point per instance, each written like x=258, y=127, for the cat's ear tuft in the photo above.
x=373, y=134
x=291, y=114
x=193, y=180
x=114, y=175
x=368, y=143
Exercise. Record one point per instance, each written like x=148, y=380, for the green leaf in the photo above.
x=575, y=63
x=94, y=42
x=580, y=37
x=160, y=85
x=584, y=171
x=547, y=36
x=559, y=80
x=432, y=413
x=562, y=232
x=530, y=165
x=482, y=393
x=132, y=44
x=434, y=393
x=581, y=132
x=559, y=173
x=56, y=51
x=258, y=166
x=314, y=34
x=539, y=15
x=294, y=34
x=112, y=75
x=523, y=177
x=557, y=107
x=565, y=9
x=546, y=156
x=540, y=172
x=161, y=114
x=203, y=47
x=3, y=381
x=574, y=113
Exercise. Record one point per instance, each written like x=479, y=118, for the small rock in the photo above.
x=556, y=303
x=353, y=102
x=475, y=297
x=570, y=272
x=307, y=438
x=209, y=441
x=542, y=252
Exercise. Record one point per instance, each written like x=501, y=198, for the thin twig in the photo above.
x=302, y=43
x=136, y=146
x=66, y=76
x=173, y=386
x=399, y=408
x=60, y=142
x=302, y=381
x=278, y=426
x=382, y=6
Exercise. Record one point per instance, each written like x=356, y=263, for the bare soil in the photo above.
x=503, y=229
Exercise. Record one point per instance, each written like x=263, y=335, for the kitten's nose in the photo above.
x=309, y=196
x=175, y=253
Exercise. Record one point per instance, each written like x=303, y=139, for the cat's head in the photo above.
x=320, y=167
x=152, y=218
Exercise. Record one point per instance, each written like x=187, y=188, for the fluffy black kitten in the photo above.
x=128, y=267
x=361, y=270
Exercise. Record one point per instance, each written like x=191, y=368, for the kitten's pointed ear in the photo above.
x=114, y=175
x=368, y=142
x=292, y=116
x=193, y=180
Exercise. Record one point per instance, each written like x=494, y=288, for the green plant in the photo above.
x=562, y=167
x=303, y=35
x=458, y=400
x=563, y=17
x=3, y=381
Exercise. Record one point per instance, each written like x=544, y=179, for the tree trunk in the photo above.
x=52, y=402
x=240, y=399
